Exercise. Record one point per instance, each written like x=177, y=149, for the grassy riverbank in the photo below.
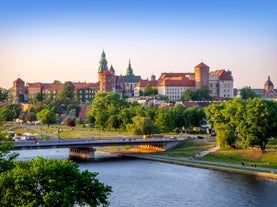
x=250, y=157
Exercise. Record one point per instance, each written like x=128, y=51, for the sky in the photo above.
x=47, y=40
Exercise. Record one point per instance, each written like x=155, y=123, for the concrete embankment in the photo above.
x=208, y=165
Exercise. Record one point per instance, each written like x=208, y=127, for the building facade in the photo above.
x=268, y=92
x=172, y=85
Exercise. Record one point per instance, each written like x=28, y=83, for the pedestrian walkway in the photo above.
x=198, y=160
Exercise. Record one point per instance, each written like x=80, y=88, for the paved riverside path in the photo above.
x=198, y=160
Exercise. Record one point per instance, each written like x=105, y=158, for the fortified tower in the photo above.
x=19, y=90
x=201, y=73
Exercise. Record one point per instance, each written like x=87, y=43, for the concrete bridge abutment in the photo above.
x=86, y=153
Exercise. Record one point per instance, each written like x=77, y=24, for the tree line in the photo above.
x=250, y=122
x=109, y=111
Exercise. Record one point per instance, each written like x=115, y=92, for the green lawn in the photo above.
x=249, y=156
x=189, y=148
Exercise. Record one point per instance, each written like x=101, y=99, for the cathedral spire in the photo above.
x=129, y=69
x=103, y=64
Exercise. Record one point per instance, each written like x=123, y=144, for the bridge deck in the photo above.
x=79, y=143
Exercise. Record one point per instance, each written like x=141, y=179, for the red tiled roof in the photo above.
x=143, y=83
x=190, y=104
x=19, y=80
x=52, y=86
x=222, y=74
x=201, y=65
x=175, y=79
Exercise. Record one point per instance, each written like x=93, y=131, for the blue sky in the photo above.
x=62, y=40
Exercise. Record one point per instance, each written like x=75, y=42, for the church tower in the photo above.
x=201, y=73
x=129, y=70
x=103, y=65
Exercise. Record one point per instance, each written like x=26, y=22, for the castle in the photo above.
x=172, y=85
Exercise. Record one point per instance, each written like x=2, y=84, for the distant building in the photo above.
x=110, y=82
x=172, y=85
x=268, y=92
x=84, y=92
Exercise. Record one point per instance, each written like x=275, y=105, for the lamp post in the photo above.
x=59, y=131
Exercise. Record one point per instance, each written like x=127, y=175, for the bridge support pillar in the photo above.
x=82, y=153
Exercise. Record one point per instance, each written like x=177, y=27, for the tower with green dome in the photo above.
x=103, y=63
x=129, y=70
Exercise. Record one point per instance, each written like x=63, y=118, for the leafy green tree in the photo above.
x=187, y=95
x=31, y=116
x=57, y=82
x=225, y=118
x=202, y=94
x=225, y=136
x=142, y=125
x=247, y=92
x=4, y=95
x=197, y=116
x=6, y=157
x=150, y=90
x=65, y=100
x=164, y=120
x=37, y=98
x=50, y=183
x=177, y=112
x=259, y=123
x=104, y=105
x=254, y=121
x=6, y=114
x=47, y=116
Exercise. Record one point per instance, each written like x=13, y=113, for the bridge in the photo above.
x=85, y=148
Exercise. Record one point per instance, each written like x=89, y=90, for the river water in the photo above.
x=143, y=183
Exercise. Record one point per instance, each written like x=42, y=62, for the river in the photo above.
x=144, y=183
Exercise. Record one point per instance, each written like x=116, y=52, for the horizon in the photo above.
x=43, y=41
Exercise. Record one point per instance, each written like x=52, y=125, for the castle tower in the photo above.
x=19, y=90
x=201, y=73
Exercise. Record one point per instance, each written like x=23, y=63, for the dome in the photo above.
x=268, y=84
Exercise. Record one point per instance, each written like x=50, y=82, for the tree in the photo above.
x=65, y=100
x=202, y=94
x=164, y=120
x=259, y=123
x=57, y=82
x=150, y=90
x=253, y=120
x=47, y=116
x=70, y=121
x=4, y=95
x=187, y=95
x=51, y=183
x=6, y=114
x=142, y=125
x=104, y=105
x=247, y=92
x=6, y=157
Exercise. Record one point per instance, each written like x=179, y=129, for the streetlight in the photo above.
x=59, y=131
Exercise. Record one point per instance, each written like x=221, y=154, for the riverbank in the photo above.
x=226, y=167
